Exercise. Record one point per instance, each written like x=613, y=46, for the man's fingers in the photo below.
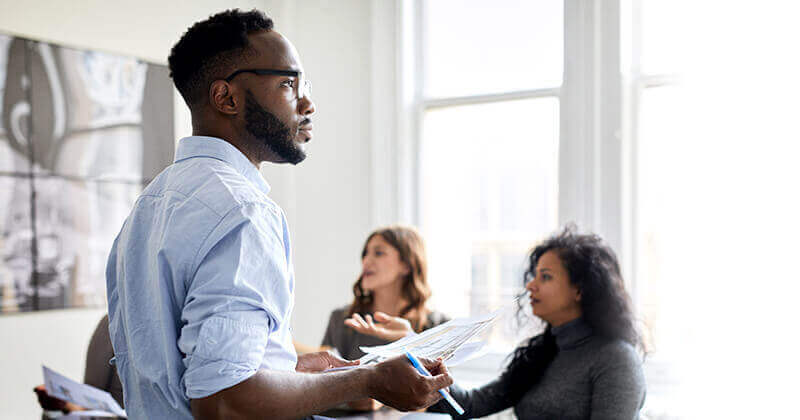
x=382, y=317
x=433, y=398
x=432, y=365
x=441, y=377
x=341, y=361
x=336, y=361
x=439, y=368
x=441, y=381
x=370, y=322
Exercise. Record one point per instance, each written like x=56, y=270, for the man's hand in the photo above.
x=396, y=383
x=386, y=327
x=293, y=395
x=319, y=361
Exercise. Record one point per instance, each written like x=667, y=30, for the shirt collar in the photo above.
x=572, y=333
x=216, y=148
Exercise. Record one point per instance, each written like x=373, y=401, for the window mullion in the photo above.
x=591, y=152
x=489, y=98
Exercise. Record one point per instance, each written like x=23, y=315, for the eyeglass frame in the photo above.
x=275, y=72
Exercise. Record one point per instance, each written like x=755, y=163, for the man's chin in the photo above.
x=298, y=159
x=290, y=152
x=300, y=153
x=298, y=156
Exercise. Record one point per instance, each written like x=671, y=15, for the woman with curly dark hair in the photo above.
x=585, y=365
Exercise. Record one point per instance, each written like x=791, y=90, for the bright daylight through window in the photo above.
x=488, y=147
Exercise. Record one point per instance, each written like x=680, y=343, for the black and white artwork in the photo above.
x=82, y=132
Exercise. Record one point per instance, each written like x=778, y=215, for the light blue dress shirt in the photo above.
x=200, y=282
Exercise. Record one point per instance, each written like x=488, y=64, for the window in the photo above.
x=655, y=68
x=671, y=134
x=488, y=147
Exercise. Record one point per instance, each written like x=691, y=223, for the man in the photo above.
x=200, y=278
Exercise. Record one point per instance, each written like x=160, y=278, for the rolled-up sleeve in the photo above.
x=228, y=351
x=239, y=294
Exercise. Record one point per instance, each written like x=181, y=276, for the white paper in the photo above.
x=453, y=341
x=441, y=341
x=66, y=389
x=391, y=414
x=467, y=352
x=78, y=415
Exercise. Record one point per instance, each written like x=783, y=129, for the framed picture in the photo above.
x=82, y=132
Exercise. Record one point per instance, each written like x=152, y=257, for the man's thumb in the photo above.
x=442, y=380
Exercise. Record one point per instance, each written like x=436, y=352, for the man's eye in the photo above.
x=288, y=83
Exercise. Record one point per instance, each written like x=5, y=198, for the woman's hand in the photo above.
x=389, y=328
x=319, y=361
x=50, y=403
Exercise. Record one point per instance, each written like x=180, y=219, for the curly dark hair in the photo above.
x=606, y=307
x=211, y=49
x=409, y=244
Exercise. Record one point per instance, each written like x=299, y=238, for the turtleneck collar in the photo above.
x=572, y=333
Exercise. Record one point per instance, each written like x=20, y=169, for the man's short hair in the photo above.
x=210, y=49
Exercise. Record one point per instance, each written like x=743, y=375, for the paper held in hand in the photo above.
x=452, y=341
x=87, y=396
x=443, y=341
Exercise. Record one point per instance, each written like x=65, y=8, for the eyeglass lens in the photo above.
x=303, y=86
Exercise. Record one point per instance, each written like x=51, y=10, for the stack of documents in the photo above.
x=454, y=341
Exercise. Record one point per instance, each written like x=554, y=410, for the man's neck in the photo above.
x=200, y=130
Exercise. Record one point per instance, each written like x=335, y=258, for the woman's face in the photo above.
x=381, y=266
x=553, y=297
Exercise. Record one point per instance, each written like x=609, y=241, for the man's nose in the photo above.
x=306, y=106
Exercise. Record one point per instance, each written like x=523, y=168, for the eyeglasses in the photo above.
x=302, y=86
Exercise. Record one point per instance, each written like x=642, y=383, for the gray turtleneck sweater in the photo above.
x=591, y=377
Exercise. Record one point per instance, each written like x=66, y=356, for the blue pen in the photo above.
x=421, y=369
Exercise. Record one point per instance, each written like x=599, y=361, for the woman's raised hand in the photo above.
x=386, y=327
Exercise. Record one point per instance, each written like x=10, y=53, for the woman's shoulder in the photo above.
x=340, y=313
x=620, y=363
x=616, y=352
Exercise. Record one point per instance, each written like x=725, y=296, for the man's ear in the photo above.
x=578, y=295
x=223, y=98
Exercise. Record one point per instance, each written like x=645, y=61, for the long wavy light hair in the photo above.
x=409, y=244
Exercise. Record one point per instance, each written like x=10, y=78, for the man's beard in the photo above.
x=276, y=136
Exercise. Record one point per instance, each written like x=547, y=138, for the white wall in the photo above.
x=57, y=339
x=326, y=198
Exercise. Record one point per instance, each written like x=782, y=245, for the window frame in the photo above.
x=596, y=171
